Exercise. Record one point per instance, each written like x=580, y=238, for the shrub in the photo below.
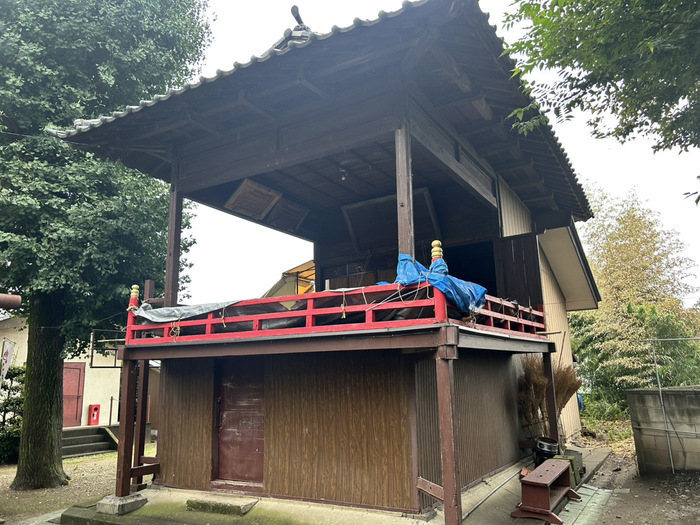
x=11, y=401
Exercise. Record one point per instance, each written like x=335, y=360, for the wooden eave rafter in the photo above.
x=451, y=68
x=520, y=185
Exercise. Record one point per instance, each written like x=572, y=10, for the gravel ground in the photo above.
x=648, y=500
x=92, y=478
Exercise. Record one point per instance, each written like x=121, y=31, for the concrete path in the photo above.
x=489, y=502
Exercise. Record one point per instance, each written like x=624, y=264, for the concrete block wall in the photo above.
x=652, y=440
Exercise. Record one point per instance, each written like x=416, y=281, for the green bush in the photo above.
x=602, y=409
x=11, y=401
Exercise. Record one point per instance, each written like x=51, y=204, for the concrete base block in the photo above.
x=219, y=507
x=119, y=506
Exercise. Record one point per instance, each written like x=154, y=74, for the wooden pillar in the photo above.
x=550, y=396
x=126, y=428
x=404, y=187
x=141, y=415
x=444, y=367
x=172, y=263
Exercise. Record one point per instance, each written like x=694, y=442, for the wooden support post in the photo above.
x=141, y=415
x=404, y=187
x=149, y=289
x=550, y=396
x=126, y=429
x=172, y=263
x=448, y=439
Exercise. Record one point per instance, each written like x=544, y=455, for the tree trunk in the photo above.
x=40, y=464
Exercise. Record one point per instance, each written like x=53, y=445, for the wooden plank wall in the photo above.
x=515, y=217
x=185, y=436
x=520, y=270
x=337, y=428
x=487, y=413
x=557, y=321
x=428, y=423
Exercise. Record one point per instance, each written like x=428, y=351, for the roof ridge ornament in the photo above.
x=300, y=34
x=301, y=26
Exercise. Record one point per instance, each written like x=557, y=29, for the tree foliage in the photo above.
x=74, y=225
x=640, y=270
x=637, y=60
x=76, y=232
x=65, y=60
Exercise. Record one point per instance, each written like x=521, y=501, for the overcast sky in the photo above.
x=234, y=259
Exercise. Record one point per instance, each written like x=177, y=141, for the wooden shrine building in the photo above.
x=371, y=141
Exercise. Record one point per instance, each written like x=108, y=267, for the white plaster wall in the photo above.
x=515, y=216
x=557, y=321
x=101, y=384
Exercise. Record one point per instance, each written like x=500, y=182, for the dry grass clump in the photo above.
x=532, y=386
x=566, y=384
x=532, y=389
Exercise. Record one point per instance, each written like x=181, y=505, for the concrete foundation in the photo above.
x=120, y=505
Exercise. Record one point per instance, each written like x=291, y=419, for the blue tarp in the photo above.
x=464, y=295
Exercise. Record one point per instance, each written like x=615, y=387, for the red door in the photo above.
x=73, y=384
x=242, y=420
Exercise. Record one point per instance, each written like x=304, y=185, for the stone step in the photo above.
x=86, y=449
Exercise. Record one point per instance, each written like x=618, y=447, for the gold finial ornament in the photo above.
x=135, y=291
x=436, y=252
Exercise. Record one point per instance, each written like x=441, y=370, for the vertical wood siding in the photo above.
x=337, y=428
x=514, y=214
x=185, y=437
x=428, y=423
x=487, y=413
x=557, y=321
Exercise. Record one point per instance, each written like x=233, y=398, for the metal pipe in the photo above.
x=663, y=409
x=10, y=302
x=465, y=516
x=697, y=434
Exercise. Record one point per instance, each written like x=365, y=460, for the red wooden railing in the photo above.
x=367, y=308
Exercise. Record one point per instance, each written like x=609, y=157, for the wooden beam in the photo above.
x=525, y=164
x=209, y=130
x=452, y=68
x=419, y=340
x=242, y=100
x=536, y=183
x=431, y=489
x=470, y=178
x=404, y=188
x=144, y=470
x=482, y=107
x=448, y=440
x=416, y=53
x=172, y=261
x=303, y=80
x=543, y=201
x=126, y=429
x=498, y=148
x=468, y=130
x=285, y=157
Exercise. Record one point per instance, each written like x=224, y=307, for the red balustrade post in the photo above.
x=310, y=318
x=131, y=318
x=440, y=300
